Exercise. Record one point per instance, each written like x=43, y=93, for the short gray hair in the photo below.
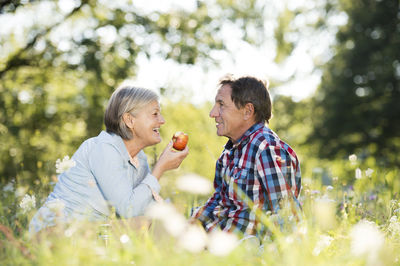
x=126, y=99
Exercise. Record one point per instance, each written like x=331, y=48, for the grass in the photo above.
x=349, y=222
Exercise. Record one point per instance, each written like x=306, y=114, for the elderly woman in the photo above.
x=111, y=171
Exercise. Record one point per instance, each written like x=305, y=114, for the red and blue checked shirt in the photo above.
x=261, y=165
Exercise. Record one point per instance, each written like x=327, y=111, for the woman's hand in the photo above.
x=169, y=159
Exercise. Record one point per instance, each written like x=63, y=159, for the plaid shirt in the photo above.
x=264, y=167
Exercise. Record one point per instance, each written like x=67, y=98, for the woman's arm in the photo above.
x=112, y=176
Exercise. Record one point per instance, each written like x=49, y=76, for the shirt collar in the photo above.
x=118, y=142
x=244, y=139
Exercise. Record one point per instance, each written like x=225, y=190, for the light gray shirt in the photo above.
x=102, y=179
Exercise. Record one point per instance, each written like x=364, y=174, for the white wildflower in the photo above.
x=367, y=240
x=69, y=232
x=64, y=165
x=353, y=158
x=289, y=239
x=194, y=184
x=124, y=239
x=221, y=243
x=358, y=173
x=368, y=172
x=194, y=239
x=323, y=242
x=27, y=203
x=394, y=226
x=306, y=181
x=20, y=191
x=175, y=224
x=8, y=187
x=318, y=170
x=160, y=210
x=302, y=230
x=329, y=188
x=325, y=212
x=172, y=220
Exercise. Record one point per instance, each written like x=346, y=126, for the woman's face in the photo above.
x=147, y=123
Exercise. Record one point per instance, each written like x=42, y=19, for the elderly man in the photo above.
x=255, y=164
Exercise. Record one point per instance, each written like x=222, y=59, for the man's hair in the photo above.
x=125, y=99
x=250, y=90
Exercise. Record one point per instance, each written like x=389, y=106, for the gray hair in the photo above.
x=126, y=99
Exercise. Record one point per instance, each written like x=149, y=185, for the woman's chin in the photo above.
x=158, y=140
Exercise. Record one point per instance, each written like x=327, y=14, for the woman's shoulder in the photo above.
x=105, y=143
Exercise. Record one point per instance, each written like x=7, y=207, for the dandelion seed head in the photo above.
x=194, y=184
x=124, y=239
x=193, y=239
x=221, y=243
x=173, y=222
x=366, y=240
x=160, y=210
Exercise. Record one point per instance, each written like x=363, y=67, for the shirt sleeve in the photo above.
x=205, y=213
x=112, y=175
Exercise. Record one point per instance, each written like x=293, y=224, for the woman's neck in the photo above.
x=133, y=147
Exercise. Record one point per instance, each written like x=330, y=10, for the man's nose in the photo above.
x=213, y=112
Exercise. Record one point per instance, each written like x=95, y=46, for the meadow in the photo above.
x=353, y=220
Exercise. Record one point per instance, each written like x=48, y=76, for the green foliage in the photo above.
x=57, y=76
x=356, y=107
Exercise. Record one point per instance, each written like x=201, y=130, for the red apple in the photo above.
x=180, y=140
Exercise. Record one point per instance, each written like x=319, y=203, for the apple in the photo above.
x=180, y=140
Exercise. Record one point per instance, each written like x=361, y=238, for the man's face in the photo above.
x=230, y=120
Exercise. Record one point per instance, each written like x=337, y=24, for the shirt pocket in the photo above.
x=237, y=183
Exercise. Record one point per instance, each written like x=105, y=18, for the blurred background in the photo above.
x=333, y=68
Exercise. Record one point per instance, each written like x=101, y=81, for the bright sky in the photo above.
x=243, y=59
x=239, y=59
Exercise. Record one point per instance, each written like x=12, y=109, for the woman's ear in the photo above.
x=248, y=111
x=128, y=120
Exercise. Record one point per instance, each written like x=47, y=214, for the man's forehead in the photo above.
x=224, y=92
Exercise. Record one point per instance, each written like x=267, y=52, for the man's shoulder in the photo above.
x=266, y=137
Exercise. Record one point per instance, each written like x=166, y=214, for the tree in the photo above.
x=56, y=77
x=356, y=108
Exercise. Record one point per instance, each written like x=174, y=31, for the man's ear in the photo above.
x=248, y=111
x=128, y=120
